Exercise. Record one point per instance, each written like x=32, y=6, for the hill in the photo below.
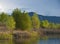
x=53, y=19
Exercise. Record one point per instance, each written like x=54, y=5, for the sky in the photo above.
x=42, y=7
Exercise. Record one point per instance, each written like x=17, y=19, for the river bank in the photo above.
x=18, y=34
x=22, y=37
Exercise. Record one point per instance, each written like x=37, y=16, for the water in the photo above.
x=48, y=41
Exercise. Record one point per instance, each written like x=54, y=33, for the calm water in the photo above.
x=49, y=41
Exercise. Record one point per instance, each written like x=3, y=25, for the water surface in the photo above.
x=48, y=41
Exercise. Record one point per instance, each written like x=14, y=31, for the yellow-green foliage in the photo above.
x=54, y=26
x=44, y=37
x=7, y=20
x=34, y=35
x=10, y=23
x=45, y=23
x=35, y=21
x=22, y=19
x=5, y=36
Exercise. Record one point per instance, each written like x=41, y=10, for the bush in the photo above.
x=5, y=36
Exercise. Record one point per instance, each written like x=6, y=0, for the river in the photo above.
x=48, y=41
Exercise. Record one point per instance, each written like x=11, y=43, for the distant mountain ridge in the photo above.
x=52, y=19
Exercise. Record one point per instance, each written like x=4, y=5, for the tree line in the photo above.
x=23, y=21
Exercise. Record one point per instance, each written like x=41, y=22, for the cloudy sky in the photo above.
x=43, y=7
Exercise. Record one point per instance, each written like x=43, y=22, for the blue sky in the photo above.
x=43, y=7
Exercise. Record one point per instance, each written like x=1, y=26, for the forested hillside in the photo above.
x=52, y=19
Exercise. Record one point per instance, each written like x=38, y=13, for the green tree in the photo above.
x=10, y=22
x=52, y=26
x=35, y=21
x=17, y=15
x=22, y=20
x=57, y=26
x=3, y=17
x=45, y=24
x=7, y=20
x=26, y=23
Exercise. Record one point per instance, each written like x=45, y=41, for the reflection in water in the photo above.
x=26, y=41
x=50, y=41
x=31, y=41
x=6, y=42
x=19, y=41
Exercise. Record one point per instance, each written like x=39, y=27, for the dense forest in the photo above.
x=23, y=21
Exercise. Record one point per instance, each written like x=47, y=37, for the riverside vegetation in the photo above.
x=22, y=21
